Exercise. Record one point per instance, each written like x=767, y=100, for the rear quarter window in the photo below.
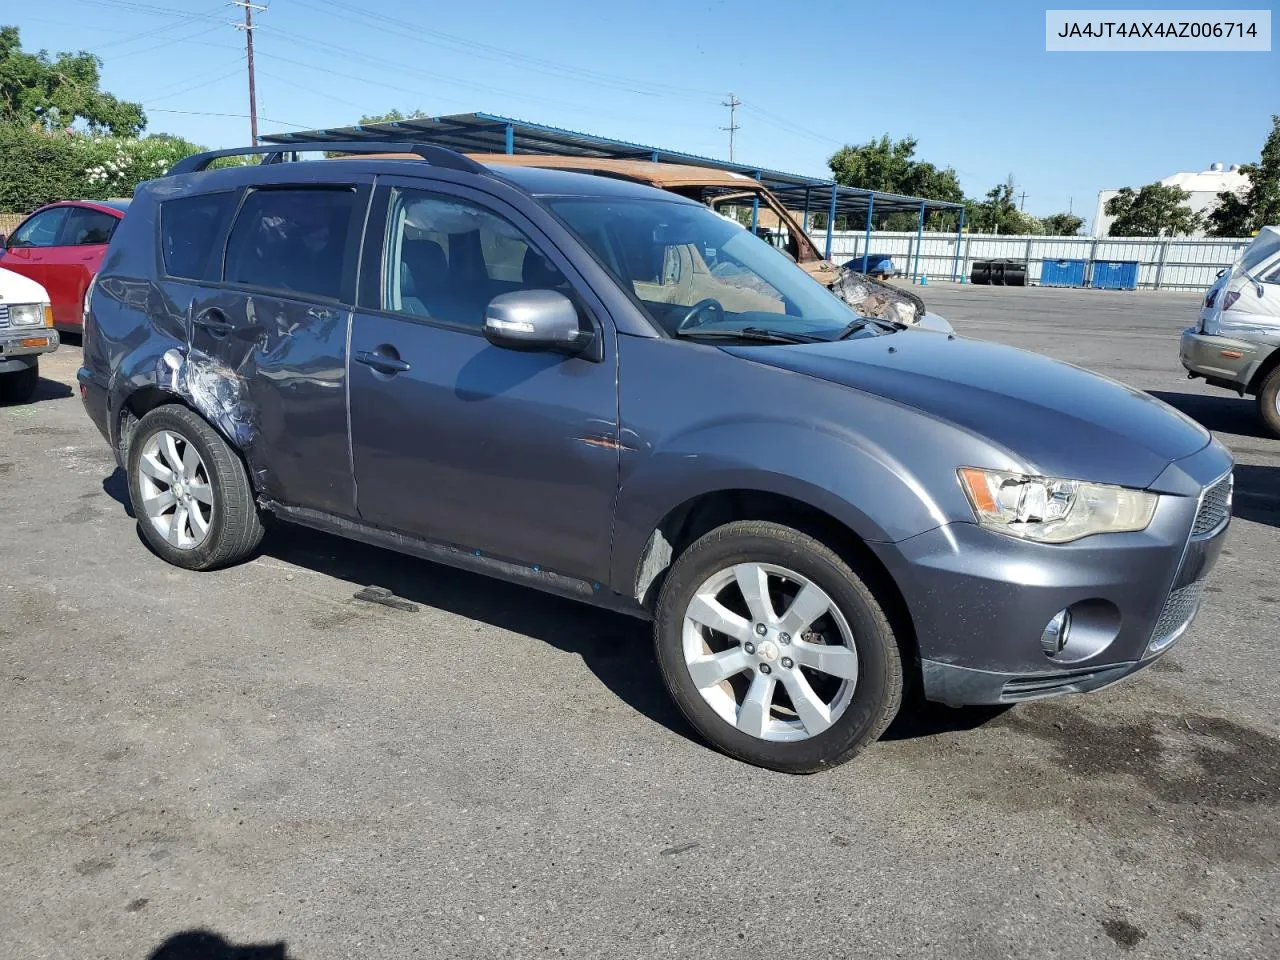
x=189, y=231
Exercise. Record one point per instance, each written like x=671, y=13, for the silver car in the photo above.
x=1236, y=343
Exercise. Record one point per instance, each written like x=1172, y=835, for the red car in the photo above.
x=61, y=247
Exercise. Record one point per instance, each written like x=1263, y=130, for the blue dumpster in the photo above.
x=1115, y=275
x=1062, y=273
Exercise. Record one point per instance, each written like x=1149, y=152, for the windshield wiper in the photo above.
x=889, y=326
x=751, y=333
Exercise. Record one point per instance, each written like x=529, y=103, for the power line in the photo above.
x=247, y=27
x=733, y=103
x=195, y=86
x=241, y=116
x=419, y=33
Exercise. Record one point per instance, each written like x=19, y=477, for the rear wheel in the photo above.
x=1269, y=402
x=775, y=649
x=21, y=386
x=190, y=491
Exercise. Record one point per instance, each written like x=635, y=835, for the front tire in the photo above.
x=190, y=491
x=1269, y=402
x=775, y=649
x=21, y=386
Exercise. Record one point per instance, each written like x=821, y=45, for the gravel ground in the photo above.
x=255, y=754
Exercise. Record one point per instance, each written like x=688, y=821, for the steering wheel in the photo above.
x=713, y=306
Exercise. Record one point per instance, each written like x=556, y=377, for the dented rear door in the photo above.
x=268, y=341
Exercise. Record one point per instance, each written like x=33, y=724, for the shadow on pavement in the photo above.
x=618, y=649
x=1220, y=413
x=1257, y=494
x=920, y=718
x=204, y=945
x=46, y=389
x=116, y=487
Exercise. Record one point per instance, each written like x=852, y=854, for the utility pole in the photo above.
x=733, y=103
x=247, y=27
x=1022, y=200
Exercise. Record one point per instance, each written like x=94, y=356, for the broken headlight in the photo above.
x=1051, y=510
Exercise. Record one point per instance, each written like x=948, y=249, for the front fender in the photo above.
x=884, y=471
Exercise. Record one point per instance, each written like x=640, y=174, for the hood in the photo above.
x=1058, y=419
x=15, y=288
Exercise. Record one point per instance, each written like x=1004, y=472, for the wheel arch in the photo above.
x=1264, y=370
x=697, y=515
x=142, y=400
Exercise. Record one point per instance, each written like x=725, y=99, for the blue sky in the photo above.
x=970, y=80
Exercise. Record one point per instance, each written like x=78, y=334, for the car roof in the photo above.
x=114, y=206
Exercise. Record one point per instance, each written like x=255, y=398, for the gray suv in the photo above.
x=608, y=392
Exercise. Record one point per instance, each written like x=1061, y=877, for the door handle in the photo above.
x=389, y=363
x=215, y=321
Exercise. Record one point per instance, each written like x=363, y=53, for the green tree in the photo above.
x=1061, y=225
x=53, y=94
x=998, y=213
x=1154, y=211
x=391, y=116
x=38, y=167
x=889, y=166
x=1243, y=215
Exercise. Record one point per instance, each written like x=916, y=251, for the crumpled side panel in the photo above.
x=219, y=393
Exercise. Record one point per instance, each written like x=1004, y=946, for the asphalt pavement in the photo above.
x=254, y=754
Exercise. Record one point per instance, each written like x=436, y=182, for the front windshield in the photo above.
x=695, y=271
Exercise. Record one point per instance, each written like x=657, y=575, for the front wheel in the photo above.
x=1269, y=402
x=775, y=649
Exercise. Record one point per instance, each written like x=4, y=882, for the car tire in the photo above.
x=21, y=386
x=778, y=562
x=1269, y=402
x=220, y=525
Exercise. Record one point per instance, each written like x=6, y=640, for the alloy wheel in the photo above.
x=777, y=676
x=176, y=494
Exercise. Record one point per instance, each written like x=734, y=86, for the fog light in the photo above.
x=1055, y=633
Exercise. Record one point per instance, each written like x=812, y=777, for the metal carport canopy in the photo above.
x=488, y=133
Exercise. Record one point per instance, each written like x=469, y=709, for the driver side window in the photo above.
x=447, y=258
x=41, y=230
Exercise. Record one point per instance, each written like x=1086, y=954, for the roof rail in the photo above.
x=436, y=156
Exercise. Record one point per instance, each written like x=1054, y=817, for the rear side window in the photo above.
x=189, y=230
x=85, y=226
x=294, y=241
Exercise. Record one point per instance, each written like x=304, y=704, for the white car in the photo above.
x=26, y=331
x=1236, y=343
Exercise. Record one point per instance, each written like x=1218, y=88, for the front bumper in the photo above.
x=1224, y=360
x=20, y=342
x=979, y=601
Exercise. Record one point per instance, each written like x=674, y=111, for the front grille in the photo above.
x=4, y=315
x=1215, y=507
x=1176, y=615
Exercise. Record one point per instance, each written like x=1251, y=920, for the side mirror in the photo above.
x=4, y=241
x=534, y=320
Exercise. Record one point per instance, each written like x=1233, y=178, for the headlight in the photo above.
x=1049, y=510
x=30, y=315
